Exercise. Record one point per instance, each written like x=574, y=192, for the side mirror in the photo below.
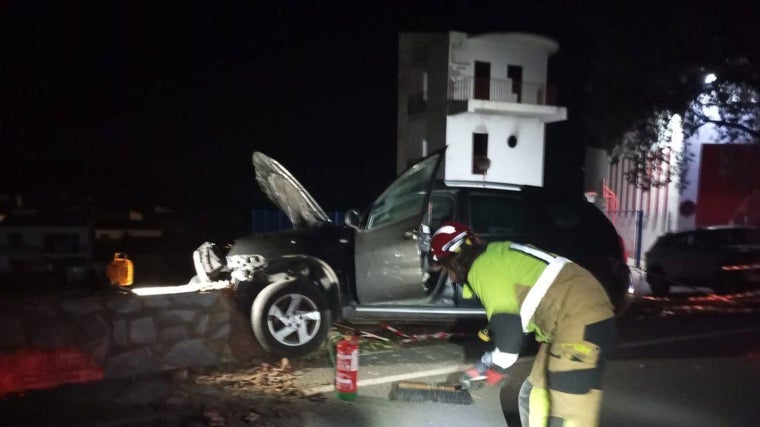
x=352, y=219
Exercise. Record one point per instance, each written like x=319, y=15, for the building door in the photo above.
x=482, y=80
x=514, y=73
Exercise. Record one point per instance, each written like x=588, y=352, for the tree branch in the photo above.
x=753, y=132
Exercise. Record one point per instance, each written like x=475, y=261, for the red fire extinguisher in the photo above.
x=346, y=366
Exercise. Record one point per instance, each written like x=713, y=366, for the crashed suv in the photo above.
x=374, y=266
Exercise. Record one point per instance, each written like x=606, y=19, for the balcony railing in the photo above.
x=466, y=88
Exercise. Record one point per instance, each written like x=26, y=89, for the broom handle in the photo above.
x=414, y=385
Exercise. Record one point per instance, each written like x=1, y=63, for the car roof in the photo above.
x=720, y=227
x=727, y=227
x=517, y=189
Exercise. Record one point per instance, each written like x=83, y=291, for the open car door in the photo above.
x=389, y=246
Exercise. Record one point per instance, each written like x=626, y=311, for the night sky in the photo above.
x=166, y=104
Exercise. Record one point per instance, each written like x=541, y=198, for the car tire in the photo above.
x=291, y=317
x=658, y=283
x=242, y=295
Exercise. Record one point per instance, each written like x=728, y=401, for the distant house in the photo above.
x=60, y=244
x=37, y=246
x=485, y=96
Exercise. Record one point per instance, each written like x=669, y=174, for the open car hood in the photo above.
x=287, y=193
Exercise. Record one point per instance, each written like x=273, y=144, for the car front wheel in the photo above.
x=291, y=317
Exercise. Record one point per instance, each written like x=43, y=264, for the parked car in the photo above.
x=723, y=258
x=295, y=283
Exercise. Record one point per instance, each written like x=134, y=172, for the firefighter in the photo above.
x=525, y=289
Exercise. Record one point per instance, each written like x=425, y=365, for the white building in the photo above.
x=484, y=96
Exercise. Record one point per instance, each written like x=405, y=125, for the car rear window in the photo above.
x=564, y=215
x=441, y=209
x=495, y=214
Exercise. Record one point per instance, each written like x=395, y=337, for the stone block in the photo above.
x=124, y=304
x=157, y=301
x=206, y=299
x=218, y=319
x=38, y=307
x=222, y=333
x=120, y=332
x=135, y=362
x=173, y=334
x=81, y=306
x=189, y=353
x=174, y=317
x=97, y=349
x=200, y=325
x=142, y=331
x=49, y=333
x=93, y=326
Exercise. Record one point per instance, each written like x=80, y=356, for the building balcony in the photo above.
x=504, y=97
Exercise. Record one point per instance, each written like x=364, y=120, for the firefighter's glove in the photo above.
x=482, y=370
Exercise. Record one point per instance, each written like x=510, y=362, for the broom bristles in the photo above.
x=417, y=392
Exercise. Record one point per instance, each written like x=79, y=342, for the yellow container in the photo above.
x=121, y=271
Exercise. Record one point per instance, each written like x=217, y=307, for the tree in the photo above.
x=732, y=109
x=652, y=59
x=651, y=62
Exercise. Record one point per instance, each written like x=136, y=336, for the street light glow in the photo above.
x=710, y=78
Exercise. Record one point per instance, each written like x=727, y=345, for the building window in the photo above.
x=480, y=160
x=59, y=243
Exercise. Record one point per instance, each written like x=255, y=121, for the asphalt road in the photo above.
x=690, y=360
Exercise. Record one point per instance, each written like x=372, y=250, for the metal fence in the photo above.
x=465, y=88
x=639, y=231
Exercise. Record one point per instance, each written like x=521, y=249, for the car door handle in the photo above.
x=411, y=235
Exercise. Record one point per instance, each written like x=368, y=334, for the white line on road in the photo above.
x=686, y=338
x=462, y=367
x=392, y=378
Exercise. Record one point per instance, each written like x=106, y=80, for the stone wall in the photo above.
x=105, y=336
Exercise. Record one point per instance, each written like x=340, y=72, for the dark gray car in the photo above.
x=373, y=267
x=723, y=258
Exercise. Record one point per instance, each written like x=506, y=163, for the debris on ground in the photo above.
x=263, y=379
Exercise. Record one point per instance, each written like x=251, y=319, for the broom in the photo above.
x=414, y=391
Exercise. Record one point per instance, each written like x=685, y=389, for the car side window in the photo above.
x=441, y=209
x=405, y=197
x=751, y=237
x=496, y=214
